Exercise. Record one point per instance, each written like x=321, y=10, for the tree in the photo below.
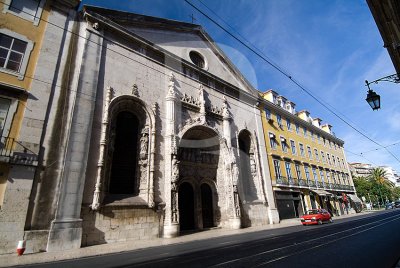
x=379, y=180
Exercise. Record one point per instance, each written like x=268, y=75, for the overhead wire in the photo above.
x=297, y=83
x=278, y=68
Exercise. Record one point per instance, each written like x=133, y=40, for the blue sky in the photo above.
x=330, y=47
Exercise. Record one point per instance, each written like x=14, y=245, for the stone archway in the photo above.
x=199, y=161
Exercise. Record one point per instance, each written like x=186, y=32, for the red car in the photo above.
x=316, y=216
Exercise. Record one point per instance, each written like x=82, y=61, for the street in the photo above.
x=368, y=241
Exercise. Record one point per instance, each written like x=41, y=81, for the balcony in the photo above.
x=282, y=180
x=15, y=152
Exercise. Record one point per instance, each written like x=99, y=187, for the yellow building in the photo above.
x=21, y=32
x=307, y=163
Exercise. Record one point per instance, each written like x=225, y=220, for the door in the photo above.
x=186, y=207
x=207, y=210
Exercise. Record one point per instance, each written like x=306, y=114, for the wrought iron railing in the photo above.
x=303, y=183
x=282, y=180
x=6, y=146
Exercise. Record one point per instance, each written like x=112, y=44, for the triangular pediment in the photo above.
x=182, y=40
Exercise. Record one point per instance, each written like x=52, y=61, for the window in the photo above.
x=4, y=111
x=322, y=156
x=279, y=120
x=343, y=165
x=319, y=138
x=309, y=152
x=27, y=9
x=288, y=124
x=329, y=159
x=321, y=173
x=197, y=59
x=267, y=113
x=298, y=172
x=315, y=175
x=284, y=145
x=288, y=170
x=307, y=171
x=301, y=149
x=338, y=162
x=277, y=168
x=14, y=53
x=328, y=176
x=272, y=140
x=316, y=154
x=305, y=131
x=334, y=160
x=312, y=135
x=297, y=128
x=293, y=146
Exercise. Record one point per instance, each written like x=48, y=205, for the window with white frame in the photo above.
x=301, y=146
x=272, y=140
x=267, y=113
x=279, y=120
x=15, y=50
x=322, y=156
x=297, y=128
x=298, y=172
x=284, y=145
x=288, y=124
x=27, y=9
x=321, y=173
x=305, y=131
x=329, y=159
x=288, y=170
x=315, y=175
x=277, y=168
x=307, y=171
x=316, y=154
x=293, y=146
x=309, y=152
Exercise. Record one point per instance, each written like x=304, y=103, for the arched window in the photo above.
x=124, y=157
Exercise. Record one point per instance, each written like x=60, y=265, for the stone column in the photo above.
x=273, y=214
x=66, y=229
x=171, y=224
x=235, y=222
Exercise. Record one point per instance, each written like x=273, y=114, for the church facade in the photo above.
x=159, y=134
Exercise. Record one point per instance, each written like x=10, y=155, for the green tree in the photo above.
x=381, y=186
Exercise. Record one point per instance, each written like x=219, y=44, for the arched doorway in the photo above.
x=186, y=206
x=198, y=157
x=207, y=210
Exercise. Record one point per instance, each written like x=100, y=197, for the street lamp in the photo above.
x=373, y=99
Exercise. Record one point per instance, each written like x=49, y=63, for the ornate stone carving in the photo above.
x=225, y=111
x=144, y=143
x=102, y=154
x=190, y=100
x=171, y=85
x=253, y=166
x=174, y=181
x=135, y=91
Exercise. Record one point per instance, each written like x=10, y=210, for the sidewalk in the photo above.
x=12, y=260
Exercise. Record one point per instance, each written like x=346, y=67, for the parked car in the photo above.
x=397, y=204
x=390, y=205
x=316, y=216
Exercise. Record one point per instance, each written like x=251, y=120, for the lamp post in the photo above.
x=373, y=99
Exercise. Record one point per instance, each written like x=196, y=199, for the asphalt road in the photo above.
x=367, y=241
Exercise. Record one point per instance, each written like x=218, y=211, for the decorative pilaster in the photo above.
x=202, y=103
x=171, y=220
x=97, y=196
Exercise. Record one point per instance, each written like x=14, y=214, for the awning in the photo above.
x=354, y=198
x=322, y=193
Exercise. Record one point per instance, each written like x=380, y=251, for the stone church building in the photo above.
x=159, y=132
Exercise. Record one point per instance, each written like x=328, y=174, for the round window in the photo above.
x=197, y=59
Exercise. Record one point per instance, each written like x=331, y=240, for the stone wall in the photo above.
x=118, y=224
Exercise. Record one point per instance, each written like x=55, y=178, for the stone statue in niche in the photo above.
x=175, y=170
x=174, y=180
x=253, y=167
x=135, y=91
x=225, y=111
x=144, y=144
